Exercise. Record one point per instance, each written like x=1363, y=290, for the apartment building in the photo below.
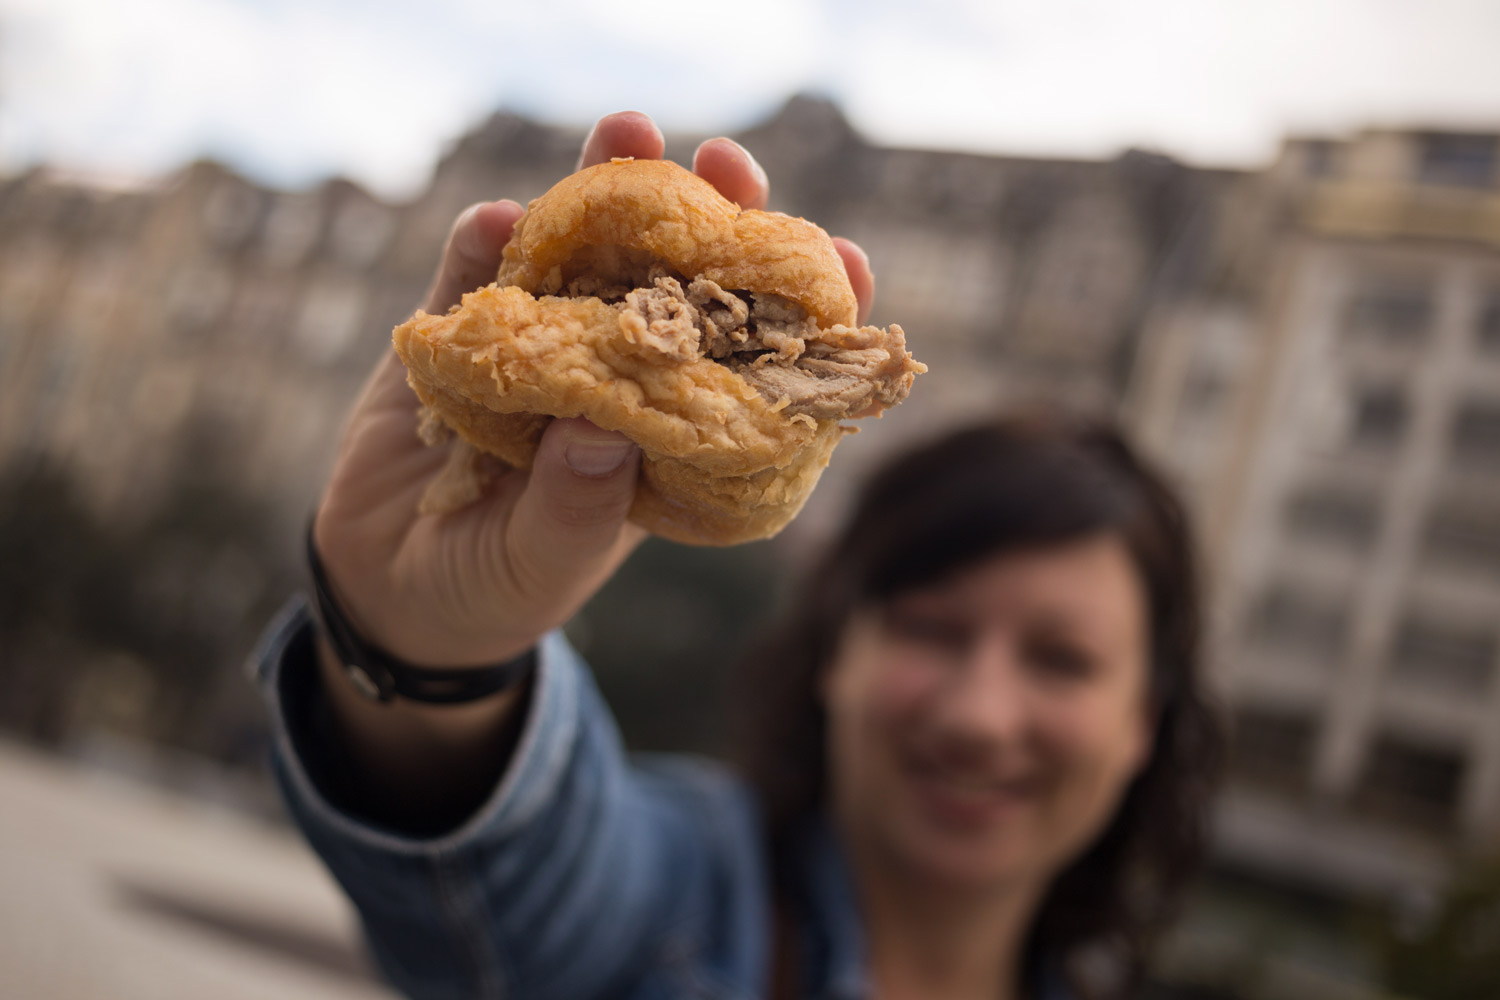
x=199, y=319
x=205, y=307
x=1313, y=350
x=1340, y=432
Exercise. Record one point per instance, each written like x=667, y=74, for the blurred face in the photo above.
x=982, y=730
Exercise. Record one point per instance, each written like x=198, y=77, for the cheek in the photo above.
x=878, y=688
x=1098, y=750
x=871, y=707
x=900, y=689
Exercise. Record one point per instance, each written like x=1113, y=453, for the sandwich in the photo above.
x=723, y=342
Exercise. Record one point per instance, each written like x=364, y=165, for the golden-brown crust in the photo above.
x=677, y=502
x=720, y=464
x=662, y=210
x=509, y=352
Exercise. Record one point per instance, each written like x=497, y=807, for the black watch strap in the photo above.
x=381, y=677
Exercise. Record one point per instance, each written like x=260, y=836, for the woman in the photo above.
x=983, y=756
x=991, y=679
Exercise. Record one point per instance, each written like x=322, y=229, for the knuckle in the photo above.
x=589, y=512
x=463, y=220
x=524, y=576
x=460, y=236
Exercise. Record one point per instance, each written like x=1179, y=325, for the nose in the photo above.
x=984, y=700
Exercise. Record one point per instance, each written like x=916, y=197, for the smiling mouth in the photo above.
x=969, y=798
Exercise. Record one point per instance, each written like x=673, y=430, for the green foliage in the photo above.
x=52, y=552
x=180, y=592
x=664, y=637
x=1453, y=952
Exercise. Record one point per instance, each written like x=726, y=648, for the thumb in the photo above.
x=567, y=521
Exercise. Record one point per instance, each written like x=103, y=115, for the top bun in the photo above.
x=660, y=210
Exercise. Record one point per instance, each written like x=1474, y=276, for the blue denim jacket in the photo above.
x=582, y=875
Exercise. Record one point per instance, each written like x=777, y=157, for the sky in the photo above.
x=294, y=91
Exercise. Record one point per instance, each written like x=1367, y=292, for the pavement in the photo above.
x=114, y=890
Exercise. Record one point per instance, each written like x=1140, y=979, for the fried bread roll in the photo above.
x=721, y=341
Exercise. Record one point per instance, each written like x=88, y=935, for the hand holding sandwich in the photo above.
x=482, y=584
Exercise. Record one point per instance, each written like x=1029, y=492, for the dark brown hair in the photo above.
x=1020, y=483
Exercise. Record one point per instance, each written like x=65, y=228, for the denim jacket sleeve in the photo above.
x=578, y=877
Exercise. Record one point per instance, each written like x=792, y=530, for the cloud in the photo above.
x=293, y=90
x=1213, y=81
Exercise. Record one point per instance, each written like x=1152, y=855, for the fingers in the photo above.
x=624, y=133
x=722, y=162
x=729, y=167
x=570, y=517
x=472, y=256
x=861, y=278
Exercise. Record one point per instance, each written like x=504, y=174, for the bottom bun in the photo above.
x=673, y=500
x=679, y=503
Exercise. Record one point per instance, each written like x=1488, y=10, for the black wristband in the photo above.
x=380, y=676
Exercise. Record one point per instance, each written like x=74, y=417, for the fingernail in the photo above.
x=744, y=155
x=760, y=171
x=597, y=458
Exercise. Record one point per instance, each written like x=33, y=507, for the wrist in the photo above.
x=400, y=616
x=381, y=676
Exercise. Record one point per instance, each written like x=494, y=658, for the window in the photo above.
x=261, y=312
x=1318, y=157
x=361, y=232
x=29, y=275
x=231, y=214
x=1203, y=394
x=1380, y=417
x=57, y=373
x=75, y=213
x=1200, y=410
x=328, y=320
x=1476, y=435
x=1489, y=324
x=1464, y=536
x=907, y=177
x=1410, y=783
x=1290, y=621
x=1392, y=311
x=976, y=184
x=292, y=228
x=197, y=296
x=1342, y=518
x=1443, y=655
x=956, y=281
x=233, y=402
x=98, y=279
x=1273, y=747
x=1458, y=160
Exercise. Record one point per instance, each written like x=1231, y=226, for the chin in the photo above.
x=1002, y=853
x=967, y=833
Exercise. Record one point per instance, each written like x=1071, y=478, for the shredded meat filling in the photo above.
x=661, y=317
x=771, y=342
x=722, y=317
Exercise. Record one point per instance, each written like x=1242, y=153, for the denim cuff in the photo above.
x=305, y=759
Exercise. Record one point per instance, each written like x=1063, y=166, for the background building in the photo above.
x=1342, y=435
x=1312, y=350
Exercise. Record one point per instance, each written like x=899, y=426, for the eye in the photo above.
x=1061, y=658
x=927, y=627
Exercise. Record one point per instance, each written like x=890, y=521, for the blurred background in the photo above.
x=1265, y=236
